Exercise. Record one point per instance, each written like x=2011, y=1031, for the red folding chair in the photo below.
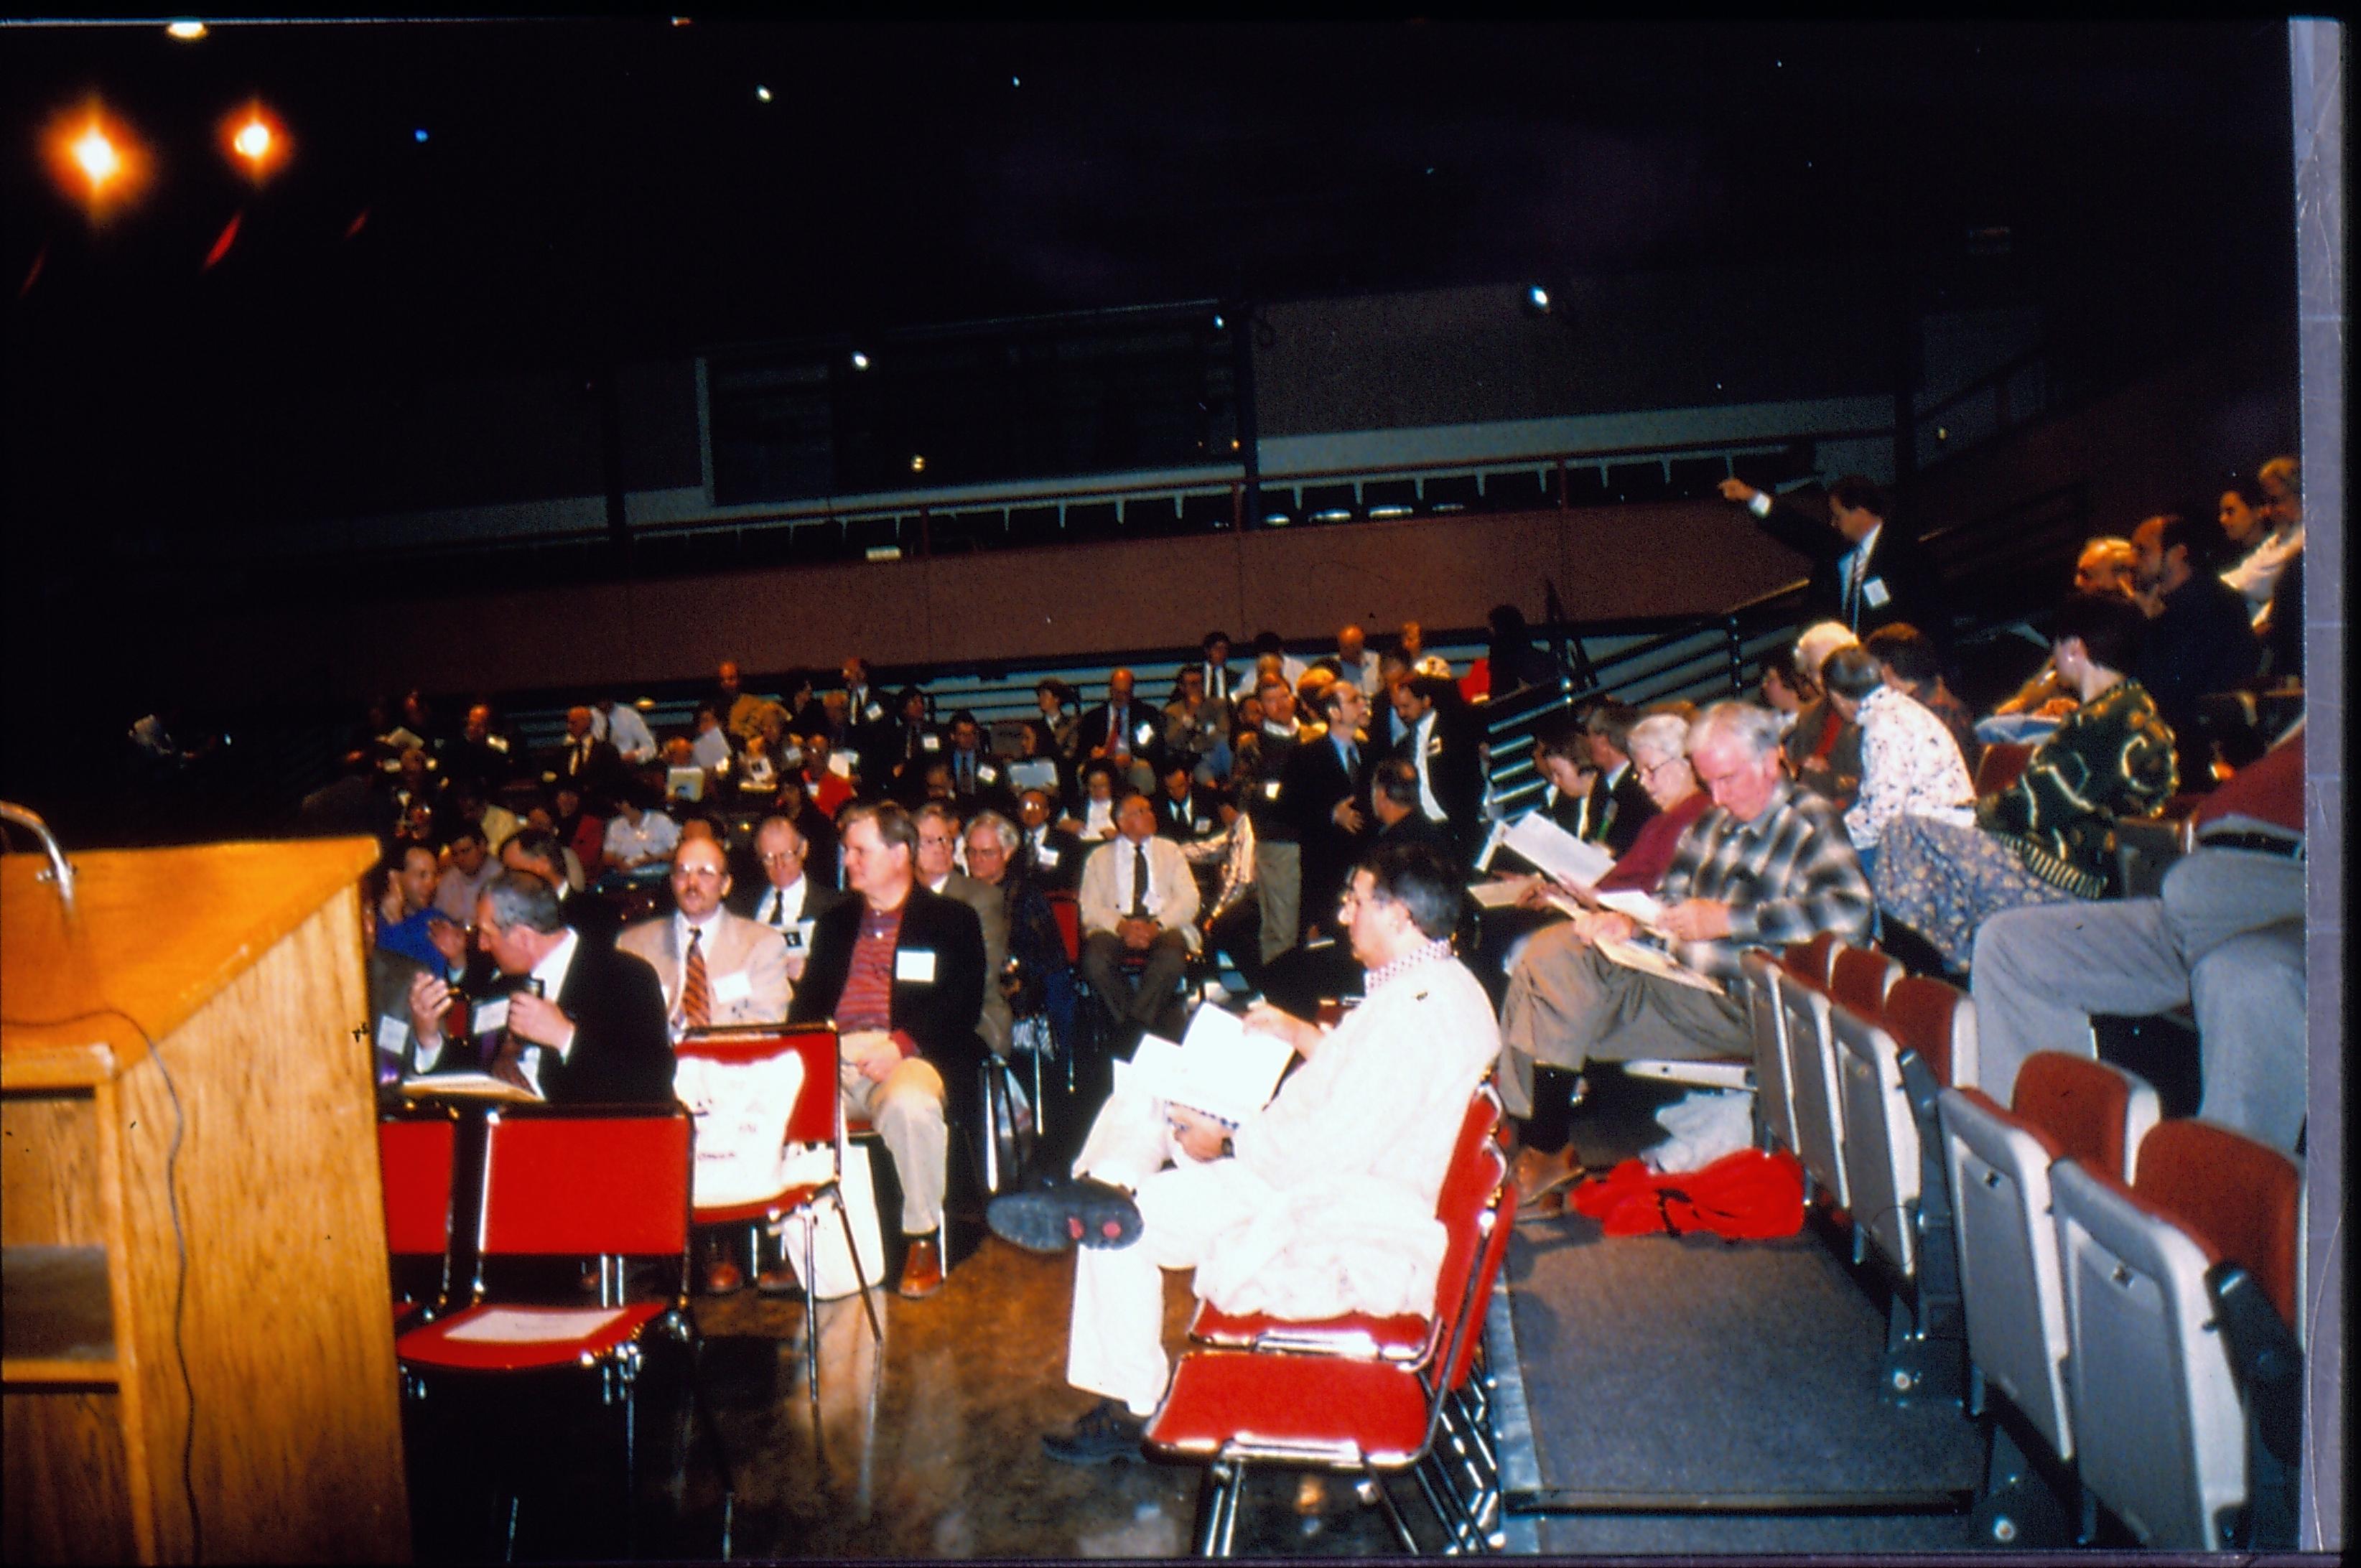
x=1233, y=1410
x=414, y=1167
x=612, y=1187
x=817, y=1118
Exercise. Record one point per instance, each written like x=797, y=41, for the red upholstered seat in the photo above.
x=445, y=1345
x=2087, y=1110
x=1809, y=960
x=1328, y=1410
x=1858, y=979
x=414, y=1163
x=1069, y=915
x=1934, y=1019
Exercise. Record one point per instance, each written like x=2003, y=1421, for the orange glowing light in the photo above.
x=94, y=157
x=254, y=139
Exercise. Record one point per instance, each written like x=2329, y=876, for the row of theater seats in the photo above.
x=2129, y=1285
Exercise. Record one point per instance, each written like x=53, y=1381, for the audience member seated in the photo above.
x=1768, y=864
x=1062, y=718
x=2201, y=638
x=408, y=923
x=1907, y=662
x=637, y=835
x=747, y=715
x=2050, y=837
x=620, y=725
x=1568, y=767
x=1322, y=1202
x=789, y=901
x=1195, y=726
x=939, y=849
x=2266, y=537
x=1658, y=747
x=2226, y=934
x=587, y=1029
x=716, y=967
x=1120, y=726
x=860, y=722
x=470, y=867
x=1823, y=747
x=978, y=779
x=1908, y=760
x=709, y=746
x=1093, y=821
x=1619, y=805
x=1036, y=978
x=826, y=788
x=917, y=746
x=1393, y=803
x=582, y=760
x=1137, y=896
x=481, y=756
x=583, y=832
x=900, y=969
x=416, y=788
x=1050, y=857
x=1186, y=811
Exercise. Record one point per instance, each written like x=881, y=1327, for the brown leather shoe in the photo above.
x=1539, y=1175
x=922, y=1269
x=722, y=1277
x=779, y=1279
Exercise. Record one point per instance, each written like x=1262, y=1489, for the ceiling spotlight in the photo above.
x=917, y=464
x=1218, y=323
x=253, y=135
x=763, y=93
x=860, y=360
x=1537, y=300
x=419, y=135
x=95, y=151
x=252, y=141
x=186, y=31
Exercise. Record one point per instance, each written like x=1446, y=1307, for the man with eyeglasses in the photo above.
x=1767, y=865
x=717, y=966
x=788, y=902
x=939, y=846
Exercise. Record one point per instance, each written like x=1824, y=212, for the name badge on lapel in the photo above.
x=930, y=743
x=798, y=936
x=1874, y=592
x=916, y=965
x=490, y=1017
x=732, y=987
x=872, y=713
x=1048, y=857
x=1435, y=746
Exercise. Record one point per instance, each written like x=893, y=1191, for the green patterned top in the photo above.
x=2110, y=758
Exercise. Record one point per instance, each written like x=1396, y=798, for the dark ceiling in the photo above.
x=592, y=192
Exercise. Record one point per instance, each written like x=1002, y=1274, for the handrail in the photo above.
x=60, y=869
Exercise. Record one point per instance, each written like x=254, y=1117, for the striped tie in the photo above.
x=695, y=991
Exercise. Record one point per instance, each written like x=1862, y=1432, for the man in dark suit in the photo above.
x=1048, y=855
x=585, y=1026
x=1393, y=801
x=1441, y=744
x=1141, y=725
x=978, y=779
x=1186, y=811
x=1866, y=573
x=788, y=900
x=591, y=765
x=1324, y=790
x=900, y=970
x=1619, y=806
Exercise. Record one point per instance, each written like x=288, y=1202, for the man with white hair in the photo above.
x=1768, y=865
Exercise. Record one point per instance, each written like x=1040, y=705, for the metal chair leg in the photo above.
x=868, y=1304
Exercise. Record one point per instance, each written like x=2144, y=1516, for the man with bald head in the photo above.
x=1121, y=726
x=1356, y=664
x=584, y=761
x=1137, y=896
x=787, y=902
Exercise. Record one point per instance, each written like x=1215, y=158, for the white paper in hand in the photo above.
x=1553, y=850
x=1217, y=1066
x=1640, y=906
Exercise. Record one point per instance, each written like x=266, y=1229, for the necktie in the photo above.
x=695, y=991
x=1853, y=565
x=1352, y=759
x=778, y=909
x=508, y=1066
x=1139, y=882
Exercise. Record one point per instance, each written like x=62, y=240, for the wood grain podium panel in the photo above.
x=223, y=983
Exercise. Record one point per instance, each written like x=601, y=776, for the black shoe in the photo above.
x=1062, y=1214
x=1107, y=1435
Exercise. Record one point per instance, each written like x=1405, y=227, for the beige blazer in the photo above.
x=746, y=967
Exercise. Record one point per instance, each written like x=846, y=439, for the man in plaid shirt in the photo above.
x=1769, y=865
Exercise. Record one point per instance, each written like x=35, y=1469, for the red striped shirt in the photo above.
x=868, y=999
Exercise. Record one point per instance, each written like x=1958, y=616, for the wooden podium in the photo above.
x=230, y=975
